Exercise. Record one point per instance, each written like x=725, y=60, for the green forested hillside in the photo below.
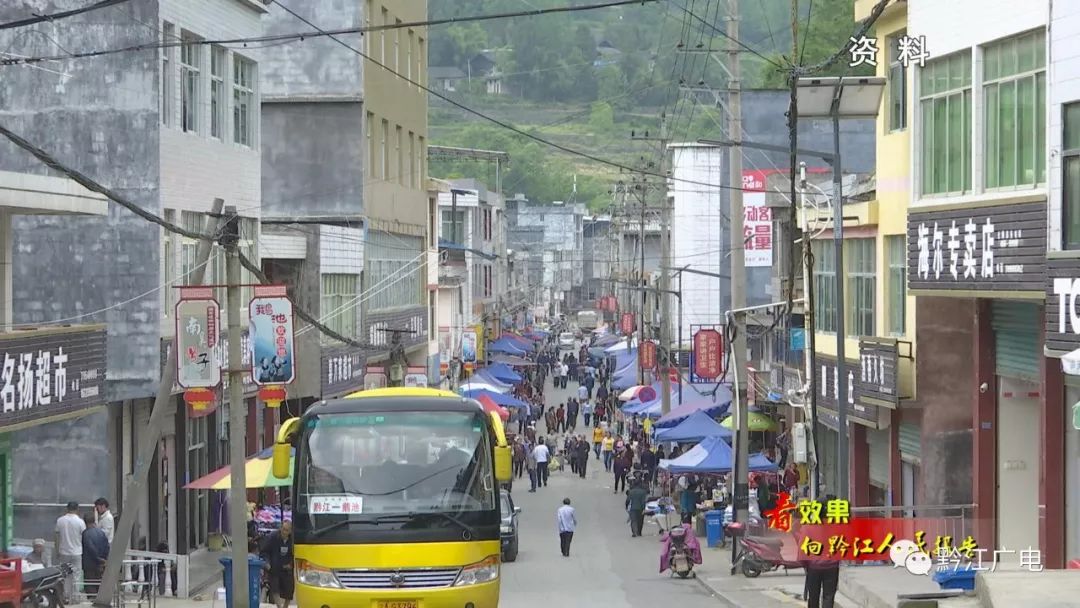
x=557, y=86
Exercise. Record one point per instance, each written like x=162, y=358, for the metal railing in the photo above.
x=956, y=521
x=134, y=573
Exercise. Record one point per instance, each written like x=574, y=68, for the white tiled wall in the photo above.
x=1064, y=83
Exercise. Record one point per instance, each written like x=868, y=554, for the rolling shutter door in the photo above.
x=910, y=442
x=879, y=457
x=1016, y=339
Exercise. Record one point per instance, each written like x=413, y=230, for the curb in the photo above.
x=716, y=593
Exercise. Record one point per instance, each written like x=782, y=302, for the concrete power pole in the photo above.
x=230, y=239
x=664, y=292
x=737, y=363
x=137, y=489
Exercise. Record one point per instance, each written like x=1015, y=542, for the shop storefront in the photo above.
x=861, y=416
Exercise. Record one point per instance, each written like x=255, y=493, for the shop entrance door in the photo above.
x=1017, y=466
x=907, y=486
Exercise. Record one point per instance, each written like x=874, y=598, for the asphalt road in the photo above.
x=606, y=566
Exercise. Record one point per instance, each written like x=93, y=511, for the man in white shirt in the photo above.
x=564, y=373
x=104, y=518
x=69, y=529
x=567, y=521
x=542, y=455
x=582, y=393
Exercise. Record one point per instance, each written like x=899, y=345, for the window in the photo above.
x=421, y=160
x=384, y=146
x=373, y=151
x=409, y=55
x=897, y=86
x=896, y=289
x=168, y=33
x=190, y=65
x=338, y=303
x=824, y=286
x=382, y=36
x=861, y=262
x=243, y=101
x=1014, y=100
x=413, y=177
x=945, y=109
x=217, y=91
x=393, y=277
x=168, y=256
x=215, y=270
x=1070, y=173
x=368, y=12
x=453, y=228
x=400, y=152
x=397, y=46
x=421, y=55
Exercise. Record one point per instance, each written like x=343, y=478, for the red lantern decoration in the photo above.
x=648, y=355
x=272, y=394
x=200, y=401
x=626, y=323
x=708, y=354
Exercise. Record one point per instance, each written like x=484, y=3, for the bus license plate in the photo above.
x=398, y=604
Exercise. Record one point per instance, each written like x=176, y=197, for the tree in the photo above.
x=832, y=23
x=601, y=117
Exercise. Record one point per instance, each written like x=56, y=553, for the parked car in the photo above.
x=508, y=529
x=567, y=340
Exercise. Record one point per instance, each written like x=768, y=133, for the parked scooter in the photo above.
x=757, y=554
x=44, y=587
x=679, y=552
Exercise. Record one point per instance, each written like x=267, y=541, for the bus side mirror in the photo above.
x=281, y=466
x=503, y=467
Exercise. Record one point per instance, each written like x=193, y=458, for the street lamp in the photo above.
x=836, y=98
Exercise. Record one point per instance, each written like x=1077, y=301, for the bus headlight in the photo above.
x=315, y=576
x=481, y=572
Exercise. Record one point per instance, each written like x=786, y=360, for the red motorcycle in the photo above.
x=758, y=554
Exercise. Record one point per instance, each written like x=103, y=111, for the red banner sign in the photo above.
x=708, y=354
x=626, y=323
x=673, y=374
x=648, y=355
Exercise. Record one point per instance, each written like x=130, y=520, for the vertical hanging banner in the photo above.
x=757, y=221
x=196, y=317
x=273, y=348
x=648, y=354
x=468, y=348
x=708, y=354
x=626, y=323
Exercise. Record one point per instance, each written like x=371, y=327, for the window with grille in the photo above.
x=861, y=263
x=897, y=83
x=215, y=271
x=1014, y=105
x=394, y=271
x=168, y=34
x=945, y=110
x=339, y=304
x=243, y=101
x=896, y=252
x=218, y=101
x=1070, y=175
x=824, y=286
x=190, y=83
x=453, y=228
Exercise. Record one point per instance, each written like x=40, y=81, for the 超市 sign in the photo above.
x=877, y=382
x=998, y=248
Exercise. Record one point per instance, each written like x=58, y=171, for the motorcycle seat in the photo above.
x=35, y=575
x=769, y=541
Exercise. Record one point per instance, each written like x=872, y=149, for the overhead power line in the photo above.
x=61, y=15
x=319, y=33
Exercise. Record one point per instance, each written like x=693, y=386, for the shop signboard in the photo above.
x=270, y=315
x=342, y=370
x=468, y=348
x=196, y=318
x=626, y=323
x=757, y=221
x=446, y=348
x=50, y=372
x=375, y=377
x=877, y=382
x=220, y=357
x=995, y=249
x=1063, y=305
x=708, y=355
x=648, y=354
x=828, y=376
x=416, y=377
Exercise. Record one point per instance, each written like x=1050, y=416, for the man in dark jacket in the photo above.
x=277, y=549
x=822, y=579
x=94, y=554
x=582, y=448
x=636, y=497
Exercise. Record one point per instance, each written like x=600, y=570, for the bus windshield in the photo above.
x=371, y=467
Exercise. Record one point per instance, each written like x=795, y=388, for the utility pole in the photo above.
x=738, y=271
x=137, y=489
x=230, y=239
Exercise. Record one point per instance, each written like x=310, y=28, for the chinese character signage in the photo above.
x=271, y=330
x=877, y=382
x=446, y=349
x=335, y=505
x=196, y=318
x=220, y=357
x=49, y=372
x=468, y=348
x=998, y=248
x=910, y=50
x=828, y=377
x=342, y=371
x=626, y=323
x=708, y=355
x=648, y=354
x=1063, y=304
x=757, y=221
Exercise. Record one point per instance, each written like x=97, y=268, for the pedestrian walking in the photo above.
x=597, y=440
x=95, y=551
x=541, y=454
x=104, y=518
x=624, y=460
x=567, y=522
x=582, y=448
x=278, y=551
x=606, y=450
x=69, y=549
x=822, y=579
x=530, y=466
x=572, y=409
x=586, y=411
x=519, y=457
x=636, y=498
x=582, y=392
x=560, y=419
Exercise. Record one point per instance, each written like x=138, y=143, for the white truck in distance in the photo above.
x=588, y=320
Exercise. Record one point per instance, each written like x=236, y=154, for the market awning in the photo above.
x=713, y=455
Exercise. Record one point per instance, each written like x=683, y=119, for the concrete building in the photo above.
x=598, y=257
x=561, y=249
x=170, y=129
